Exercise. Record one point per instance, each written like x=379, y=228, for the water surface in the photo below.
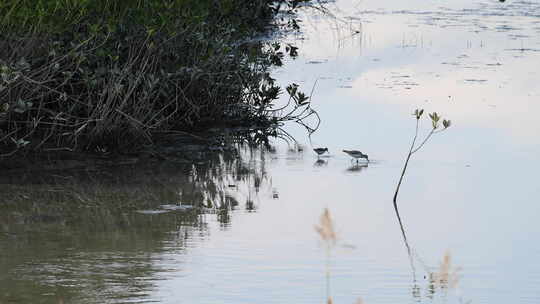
x=472, y=191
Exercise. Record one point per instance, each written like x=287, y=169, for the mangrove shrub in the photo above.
x=103, y=74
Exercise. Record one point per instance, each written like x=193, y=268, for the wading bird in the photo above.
x=356, y=154
x=320, y=151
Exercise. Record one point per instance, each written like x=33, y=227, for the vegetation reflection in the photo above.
x=90, y=235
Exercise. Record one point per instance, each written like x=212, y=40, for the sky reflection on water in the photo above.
x=471, y=190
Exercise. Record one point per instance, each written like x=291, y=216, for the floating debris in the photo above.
x=317, y=61
x=166, y=208
x=475, y=80
x=176, y=207
x=151, y=211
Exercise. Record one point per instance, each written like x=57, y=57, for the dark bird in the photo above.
x=356, y=154
x=320, y=151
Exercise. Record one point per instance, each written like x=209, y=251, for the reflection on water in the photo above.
x=358, y=167
x=473, y=61
x=320, y=163
x=439, y=280
x=106, y=236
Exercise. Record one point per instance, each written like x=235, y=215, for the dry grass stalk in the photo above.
x=326, y=228
x=448, y=275
x=328, y=235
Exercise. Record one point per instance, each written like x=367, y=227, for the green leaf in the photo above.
x=292, y=88
x=446, y=123
x=434, y=117
x=20, y=142
x=302, y=98
x=418, y=113
x=22, y=106
x=150, y=31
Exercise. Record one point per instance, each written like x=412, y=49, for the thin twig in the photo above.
x=406, y=164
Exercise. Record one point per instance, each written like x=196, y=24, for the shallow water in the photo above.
x=471, y=191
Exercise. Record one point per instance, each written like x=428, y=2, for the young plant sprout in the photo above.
x=436, y=128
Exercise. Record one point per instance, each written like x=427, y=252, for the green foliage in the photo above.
x=435, y=118
x=81, y=74
x=60, y=16
x=418, y=113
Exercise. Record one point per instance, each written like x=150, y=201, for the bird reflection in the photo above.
x=357, y=167
x=320, y=163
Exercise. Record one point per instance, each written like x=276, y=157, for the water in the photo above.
x=471, y=191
